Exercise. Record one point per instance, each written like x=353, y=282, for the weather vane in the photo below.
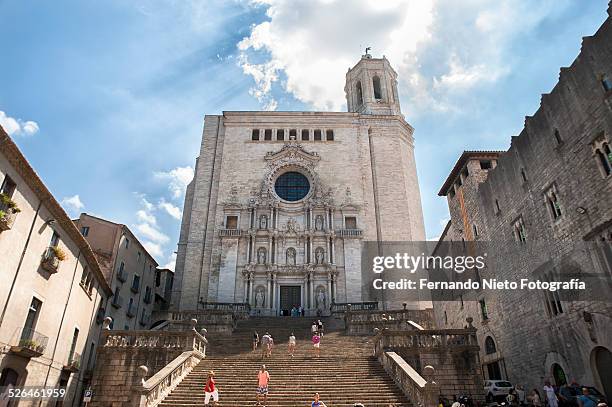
x=368, y=49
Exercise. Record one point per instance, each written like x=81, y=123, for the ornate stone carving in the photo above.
x=319, y=255
x=261, y=255
x=263, y=222
x=291, y=254
x=320, y=298
x=319, y=222
x=260, y=296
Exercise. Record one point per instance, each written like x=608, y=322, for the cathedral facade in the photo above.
x=281, y=202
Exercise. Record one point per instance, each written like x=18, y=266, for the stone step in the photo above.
x=345, y=373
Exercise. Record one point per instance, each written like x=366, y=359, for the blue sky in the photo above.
x=106, y=98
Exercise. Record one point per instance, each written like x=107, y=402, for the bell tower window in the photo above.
x=359, y=94
x=376, y=85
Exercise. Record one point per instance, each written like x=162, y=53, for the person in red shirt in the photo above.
x=210, y=390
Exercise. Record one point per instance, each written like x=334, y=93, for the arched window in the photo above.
x=359, y=93
x=376, y=84
x=490, y=346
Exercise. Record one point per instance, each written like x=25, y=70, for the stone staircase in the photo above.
x=344, y=374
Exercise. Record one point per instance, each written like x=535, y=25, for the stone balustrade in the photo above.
x=364, y=322
x=426, y=339
x=454, y=353
x=214, y=320
x=158, y=386
x=177, y=340
x=231, y=232
x=422, y=392
x=354, y=233
x=341, y=307
x=125, y=358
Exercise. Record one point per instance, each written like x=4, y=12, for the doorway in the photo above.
x=601, y=360
x=290, y=296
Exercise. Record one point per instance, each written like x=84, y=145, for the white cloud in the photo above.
x=17, y=127
x=171, y=264
x=154, y=249
x=171, y=209
x=440, y=49
x=73, y=204
x=177, y=178
x=146, y=217
x=152, y=233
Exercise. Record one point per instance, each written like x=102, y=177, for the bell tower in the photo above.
x=371, y=87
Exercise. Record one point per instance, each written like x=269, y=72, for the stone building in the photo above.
x=52, y=288
x=281, y=201
x=128, y=268
x=547, y=202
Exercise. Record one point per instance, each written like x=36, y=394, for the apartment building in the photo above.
x=128, y=268
x=51, y=286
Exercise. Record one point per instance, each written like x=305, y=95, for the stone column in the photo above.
x=268, y=294
x=329, y=289
x=251, y=283
x=333, y=251
x=311, y=294
x=273, y=291
x=246, y=288
x=335, y=287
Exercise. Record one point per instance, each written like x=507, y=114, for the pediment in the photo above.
x=293, y=152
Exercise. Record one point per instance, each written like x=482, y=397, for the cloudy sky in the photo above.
x=106, y=98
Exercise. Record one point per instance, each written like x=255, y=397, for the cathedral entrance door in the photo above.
x=290, y=296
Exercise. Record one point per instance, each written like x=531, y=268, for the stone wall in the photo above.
x=554, y=152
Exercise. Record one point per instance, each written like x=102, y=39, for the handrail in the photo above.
x=421, y=392
x=155, y=389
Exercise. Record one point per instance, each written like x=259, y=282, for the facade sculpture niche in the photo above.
x=319, y=222
x=261, y=255
x=319, y=255
x=291, y=255
x=263, y=222
x=260, y=297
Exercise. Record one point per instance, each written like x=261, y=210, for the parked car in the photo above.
x=497, y=388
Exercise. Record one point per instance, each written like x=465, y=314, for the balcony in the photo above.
x=122, y=275
x=135, y=288
x=350, y=233
x=28, y=343
x=74, y=362
x=52, y=257
x=130, y=312
x=230, y=232
x=8, y=212
x=117, y=301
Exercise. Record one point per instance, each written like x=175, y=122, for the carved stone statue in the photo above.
x=319, y=222
x=263, y=222
x=291, y=256
x=321, y=298
x=260, y=297
x=319, y=255
x=261, y=256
